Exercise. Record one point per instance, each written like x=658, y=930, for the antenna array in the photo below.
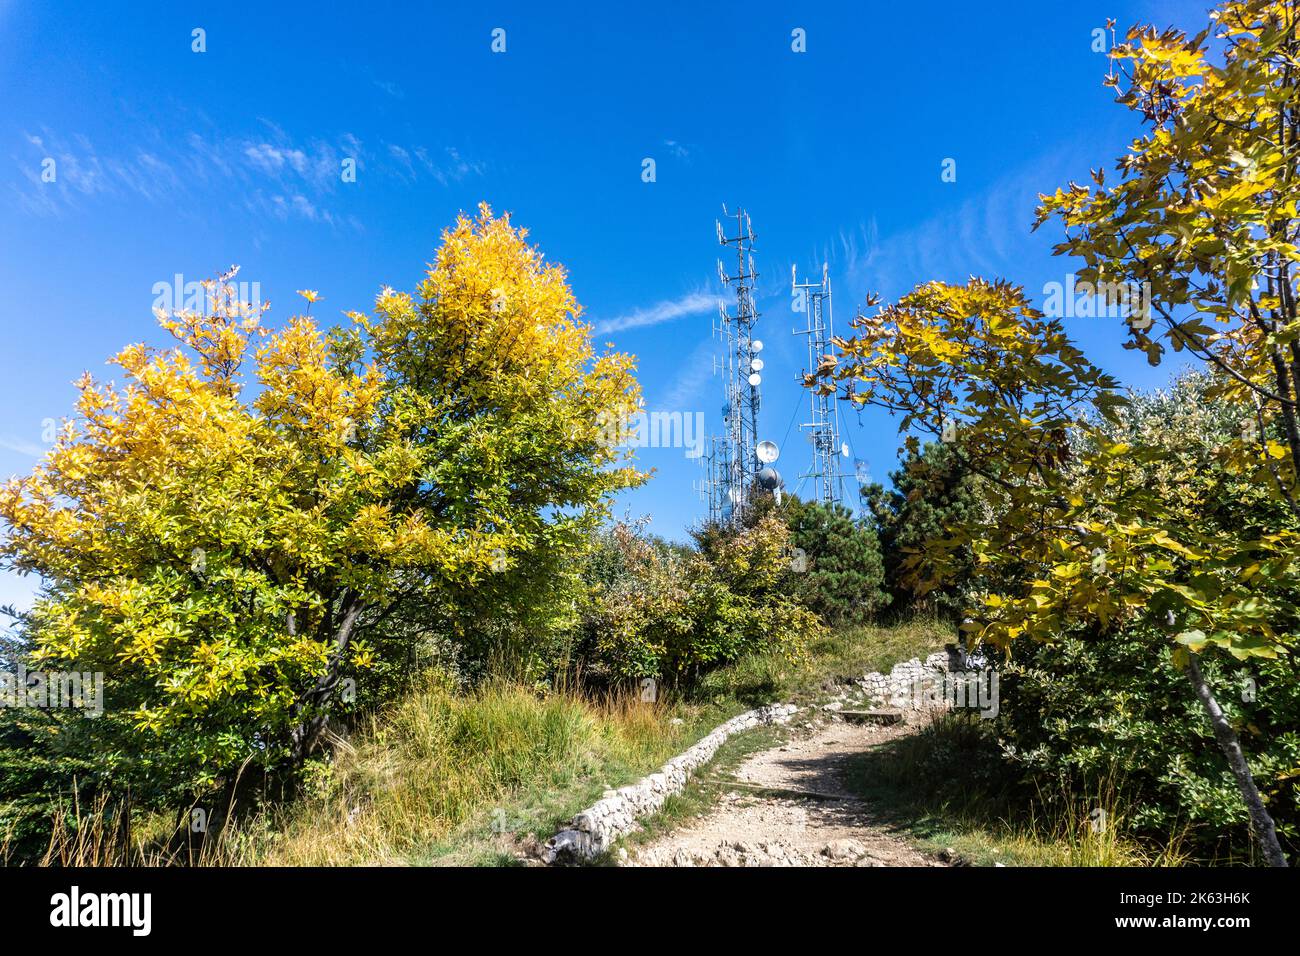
x=708, y=488
x=822, y=429
x=732, y=464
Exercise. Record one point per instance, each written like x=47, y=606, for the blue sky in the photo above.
x=170, y=161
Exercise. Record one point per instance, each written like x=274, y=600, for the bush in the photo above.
x=1085, y=713
x=656, y=611
x=1108, y=706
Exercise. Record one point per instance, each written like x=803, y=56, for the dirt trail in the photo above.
x=791, y=806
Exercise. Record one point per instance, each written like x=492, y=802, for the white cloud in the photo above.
x=694, y=303
x=20, y=447
x=299, y=176
x=271, y=159
x=988, y=234
x=693, y=374
x=676, y=149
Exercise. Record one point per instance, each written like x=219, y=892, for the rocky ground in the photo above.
x=791, y=806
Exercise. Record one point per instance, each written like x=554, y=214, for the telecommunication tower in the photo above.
x=735, y=465
x=822, y=428
x=713, y=462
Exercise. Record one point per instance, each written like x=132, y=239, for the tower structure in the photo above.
x=713, y=465
x=822, y=427
x=735, y=463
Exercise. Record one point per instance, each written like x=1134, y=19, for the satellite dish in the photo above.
x=755, y=380
x=769, y=478
x=756, y=365
x=756, y=346
x=844, y=449
x=734, y=495
x=767, y=452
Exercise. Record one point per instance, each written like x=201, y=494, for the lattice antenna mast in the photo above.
x=741, y=369
x=720, y=446
x=822, y=428
x=712, y=463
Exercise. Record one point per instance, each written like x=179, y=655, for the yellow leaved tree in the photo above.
x=226, y=533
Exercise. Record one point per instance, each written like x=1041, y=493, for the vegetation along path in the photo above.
x=792, y=805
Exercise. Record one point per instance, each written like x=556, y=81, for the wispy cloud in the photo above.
x=693, y=303
x=987, y=234
x=20, y=447
x=677, y=150
x=685, y=392
x=452, y=168
x=286, y=177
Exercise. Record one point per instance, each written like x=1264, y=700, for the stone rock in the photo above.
x=844, y=850
x=565, y=845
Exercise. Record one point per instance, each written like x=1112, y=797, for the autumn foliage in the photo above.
x=1075, y=529
x=225, y=533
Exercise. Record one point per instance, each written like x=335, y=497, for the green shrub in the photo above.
x=1084, y=713
x=1102, y=706
x=656, y=611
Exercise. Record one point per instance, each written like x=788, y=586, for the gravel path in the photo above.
x=791, y=806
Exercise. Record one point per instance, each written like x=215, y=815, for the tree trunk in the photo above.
x=315, y=703
x=1261, y=823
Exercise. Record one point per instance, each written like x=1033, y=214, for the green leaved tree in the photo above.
x=1072, y=528
x=842, y=572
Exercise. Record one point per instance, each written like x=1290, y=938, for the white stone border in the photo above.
x=594, y=830
x=902, y=687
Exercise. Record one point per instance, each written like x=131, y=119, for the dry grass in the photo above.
x=464, y=776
